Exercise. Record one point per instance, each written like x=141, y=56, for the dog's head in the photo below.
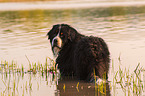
x=60, y=35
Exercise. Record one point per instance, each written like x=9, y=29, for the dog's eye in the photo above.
x=61, y=33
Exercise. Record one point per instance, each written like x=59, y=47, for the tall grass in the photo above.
x=131, y=83
x=11, y=74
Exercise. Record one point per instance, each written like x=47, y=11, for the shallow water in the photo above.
x=23, y=33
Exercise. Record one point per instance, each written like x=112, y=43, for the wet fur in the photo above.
x=80, y=55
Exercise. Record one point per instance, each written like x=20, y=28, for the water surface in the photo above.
x=23, y=33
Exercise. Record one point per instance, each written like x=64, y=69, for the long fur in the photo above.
x=81, y=55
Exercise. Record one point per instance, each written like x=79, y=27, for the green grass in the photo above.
x=7, y=68
x=131, y=83
x=11, y=71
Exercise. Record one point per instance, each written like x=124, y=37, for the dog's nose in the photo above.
x=57, y=42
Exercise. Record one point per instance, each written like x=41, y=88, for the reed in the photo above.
x=131, y=83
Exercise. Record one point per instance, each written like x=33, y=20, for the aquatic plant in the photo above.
x=131, y=83
x=11, y=71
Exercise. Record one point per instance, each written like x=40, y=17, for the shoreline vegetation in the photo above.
x=131, y=83
x=6, y=67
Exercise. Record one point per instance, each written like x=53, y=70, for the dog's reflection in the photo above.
x=73, y=87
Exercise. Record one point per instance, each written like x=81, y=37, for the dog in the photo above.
x=85, y=57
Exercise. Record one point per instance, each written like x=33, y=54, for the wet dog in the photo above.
x=82, y=56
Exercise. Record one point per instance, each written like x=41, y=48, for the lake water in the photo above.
x=23, y=30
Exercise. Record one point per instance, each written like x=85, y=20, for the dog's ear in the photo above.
x=49, y=34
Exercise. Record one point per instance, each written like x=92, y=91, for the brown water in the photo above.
x=23, y=33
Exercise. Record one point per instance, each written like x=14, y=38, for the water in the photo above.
x=23, y=33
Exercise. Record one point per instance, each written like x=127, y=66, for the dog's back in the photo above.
x=91, y=54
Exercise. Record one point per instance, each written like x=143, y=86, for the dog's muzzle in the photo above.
x=56, y=45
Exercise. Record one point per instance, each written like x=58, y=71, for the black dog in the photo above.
x=79, y=55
